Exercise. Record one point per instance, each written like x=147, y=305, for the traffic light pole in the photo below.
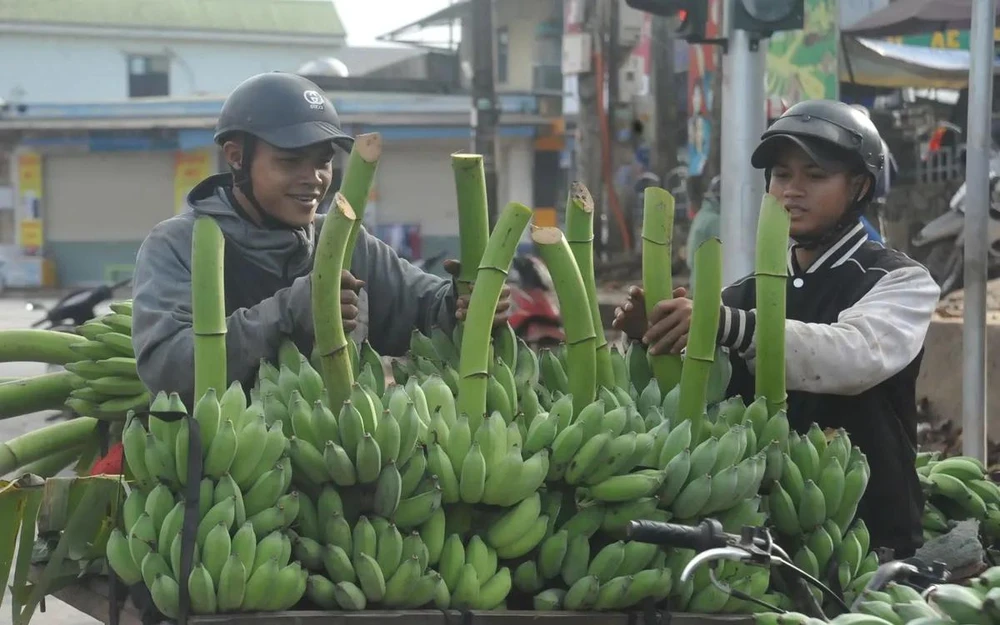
x=485, y=108
x=744, y=119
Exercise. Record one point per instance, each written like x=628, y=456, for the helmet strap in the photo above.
x=243, y=181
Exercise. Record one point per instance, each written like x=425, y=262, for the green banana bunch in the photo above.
x=471, y=573
x=106, y=383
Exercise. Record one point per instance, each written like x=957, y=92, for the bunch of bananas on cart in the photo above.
x=958, y=488
x=974, y=603
x=242, y=552
x=396, y=501
x=106, y=384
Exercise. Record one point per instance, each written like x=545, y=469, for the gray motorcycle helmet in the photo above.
x=831, y=133
x=285, y=110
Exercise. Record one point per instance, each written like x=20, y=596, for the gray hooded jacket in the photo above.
x=268, y=293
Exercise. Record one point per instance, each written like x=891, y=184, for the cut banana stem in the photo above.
x=771, y=277
x=331, y=343
x=700, y=353
x=45, y=346
x=474, y=361
x=572, y=294
x=43, y=442
x=359, y=175
x=580, y=235
x=208, y=306
x=657, y=278
x=473, y=216
x=42, y=392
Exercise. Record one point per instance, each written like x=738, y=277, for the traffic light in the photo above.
x=767, y=16
x=692, y=13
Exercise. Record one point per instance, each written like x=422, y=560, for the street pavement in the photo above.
x=14, y=315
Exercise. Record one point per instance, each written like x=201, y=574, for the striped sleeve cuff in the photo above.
x=736, y=328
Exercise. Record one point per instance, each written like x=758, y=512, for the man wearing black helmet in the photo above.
x=857, y=312
x=279, y=135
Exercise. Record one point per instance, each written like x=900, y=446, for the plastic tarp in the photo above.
x=878, y=63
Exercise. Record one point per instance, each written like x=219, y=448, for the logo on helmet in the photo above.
x=315, y=99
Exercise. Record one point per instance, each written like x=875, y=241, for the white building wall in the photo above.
x=36, y=68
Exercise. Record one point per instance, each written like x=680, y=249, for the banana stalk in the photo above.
x=657, y=279
x=474, y=360
x=331, y=343
x=42, y=392
x=580, y=235
x=48, y=466
x=580, y=336
x=771, y=276
x=43, y=442
x=45, y=346
x=208, y=306
x=700, y=353
x=359, y=175
x=473, y=216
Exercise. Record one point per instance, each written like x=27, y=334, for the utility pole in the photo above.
x=664, y=127
x=744, y=121
x=612, y=62
x=485, y=108
x=588, y=125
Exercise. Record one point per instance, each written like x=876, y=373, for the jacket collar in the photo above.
x=835, y=256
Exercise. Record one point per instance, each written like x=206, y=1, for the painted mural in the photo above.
x=802, y=64
x=702, y=66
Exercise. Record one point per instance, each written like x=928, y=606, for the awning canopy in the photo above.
x=878, y=63
x=914, y=17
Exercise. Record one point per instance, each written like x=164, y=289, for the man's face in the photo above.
x=290, y=184
x=815, y=198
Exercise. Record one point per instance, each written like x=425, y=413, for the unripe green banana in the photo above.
x=582, y=594
x=577, y=560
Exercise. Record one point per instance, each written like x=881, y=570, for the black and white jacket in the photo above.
x=857, y=318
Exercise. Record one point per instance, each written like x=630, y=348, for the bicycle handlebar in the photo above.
x=706, y=535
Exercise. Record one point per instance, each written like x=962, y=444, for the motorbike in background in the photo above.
x=75, y=308
x=940, y=246
x=534, y=313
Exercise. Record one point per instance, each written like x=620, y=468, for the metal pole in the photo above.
x=977, y=168
x=743, y=122
x=485, y=108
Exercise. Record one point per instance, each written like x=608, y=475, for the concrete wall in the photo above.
x=80, y=69
x=940, y=381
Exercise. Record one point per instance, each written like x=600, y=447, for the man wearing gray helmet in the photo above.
x=279, y=135
x=857, y=312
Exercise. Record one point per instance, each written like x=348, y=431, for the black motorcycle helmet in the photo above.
x=837, y=137
x=282, y=109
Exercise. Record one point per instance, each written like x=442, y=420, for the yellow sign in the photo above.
x=190, y=168
x=545, y=218
x=29, y=201
x=31, y=234
x=29, y=174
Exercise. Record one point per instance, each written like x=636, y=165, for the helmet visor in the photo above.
x=827, y=156
x=304, y=134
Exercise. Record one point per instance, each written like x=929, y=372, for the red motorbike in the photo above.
x=534, y=312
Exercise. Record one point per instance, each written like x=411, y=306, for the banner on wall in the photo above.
x=29, y=199
x=802, y=64
x=190, y=168
x=701, y=92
